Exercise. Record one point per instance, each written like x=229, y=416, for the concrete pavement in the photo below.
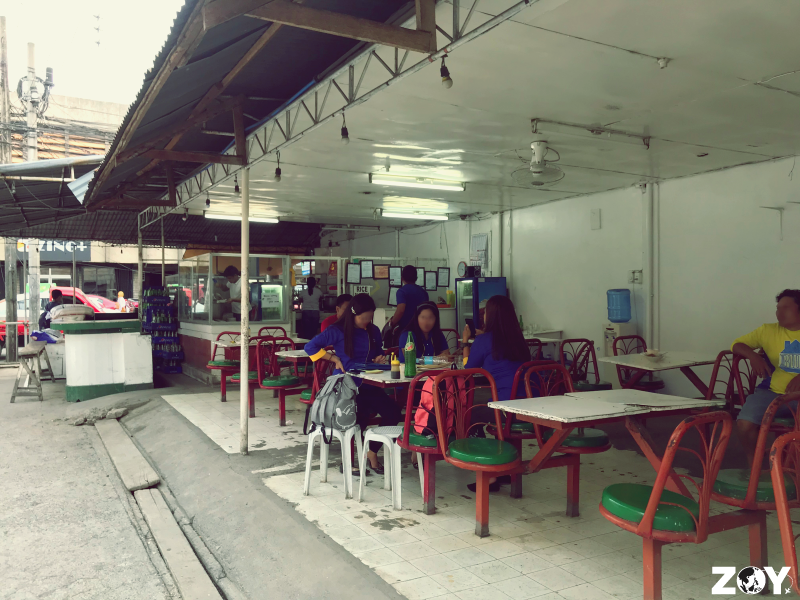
x=65, y=531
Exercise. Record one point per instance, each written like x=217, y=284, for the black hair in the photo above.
x=793, y=294
x=419, y=337
x=230, y=271
x=342, y=299
x=508, y=343
x=360, y=303
x=410, y=274
x=57, y=294
x=311, y=282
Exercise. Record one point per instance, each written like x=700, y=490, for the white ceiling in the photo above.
x=577, y=61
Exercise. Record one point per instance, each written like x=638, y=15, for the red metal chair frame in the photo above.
x=272, y=331
x=229, y=354
x=464, y=382
x=714, y=430
x=580, y=351
x=453, y=339
x=749, y=502
x=430, y=455
x=554, y=380
x=784, y=458
x=322, y=370
x=516, y=438
x=723, y=373
x=268, y=365
x=535, y=347
x=633, y=344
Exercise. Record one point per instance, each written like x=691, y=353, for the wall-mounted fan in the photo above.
x=541, y=172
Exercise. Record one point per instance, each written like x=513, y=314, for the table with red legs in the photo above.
x=578, y=410
x=641, y=365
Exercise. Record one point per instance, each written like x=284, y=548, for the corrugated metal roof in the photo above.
x=292, y=59
x=118, y=227
x=27, y=199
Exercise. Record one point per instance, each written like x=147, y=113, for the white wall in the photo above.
x=721, y=259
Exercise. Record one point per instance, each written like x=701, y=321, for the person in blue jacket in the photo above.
x=500, y=349
x=427, y=333
x=356, y=340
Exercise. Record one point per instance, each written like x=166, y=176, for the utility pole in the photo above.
x=11, y=299
x=5, y=99
x=32, y=106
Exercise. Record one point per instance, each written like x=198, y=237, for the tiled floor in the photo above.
x=534, y=551
x=220, y=420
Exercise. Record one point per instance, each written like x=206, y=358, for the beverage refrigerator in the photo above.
x=471, y=291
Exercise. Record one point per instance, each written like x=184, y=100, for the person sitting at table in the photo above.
x=500, y=349
x=409, y=297
x=356, y=340
x=427, y=333
x=781, y=342
x=342, y=304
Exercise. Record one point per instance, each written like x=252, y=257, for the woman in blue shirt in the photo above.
x=500, y=349
x=356, y=340
x=427, y=332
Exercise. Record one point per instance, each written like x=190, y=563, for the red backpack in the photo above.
x=425, y=415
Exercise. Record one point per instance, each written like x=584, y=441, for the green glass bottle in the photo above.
x=410, y=353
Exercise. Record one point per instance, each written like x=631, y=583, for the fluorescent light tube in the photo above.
x=222, y=217
x=417, y=182
x=398, y=215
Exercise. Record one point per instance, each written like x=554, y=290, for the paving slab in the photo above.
x=135, y=471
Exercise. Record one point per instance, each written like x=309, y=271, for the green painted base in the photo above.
x=81, y=393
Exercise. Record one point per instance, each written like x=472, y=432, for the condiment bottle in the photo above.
x=410, y=357
x=395, y=367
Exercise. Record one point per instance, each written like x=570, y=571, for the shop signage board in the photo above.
x=57, y=250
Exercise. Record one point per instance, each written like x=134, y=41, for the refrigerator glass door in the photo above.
x=464, y=290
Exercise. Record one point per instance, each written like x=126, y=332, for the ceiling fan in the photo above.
x=541, y=172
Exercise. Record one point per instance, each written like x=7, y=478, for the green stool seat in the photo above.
x=629, y=500
x=306, y=394
x=582, y=438
x=223, y=363
x=283, y=381
x=416, y=439
x=484, y=451
x=784, y=422
x=251, y=376
x=732, y=483
x=521, y=427
x=585, y=386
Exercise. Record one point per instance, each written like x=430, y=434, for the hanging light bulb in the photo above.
x=185, y=215
x=278, y=170
x=345, y=135
x=236, y=186
x=208, y=200
x=447, y=83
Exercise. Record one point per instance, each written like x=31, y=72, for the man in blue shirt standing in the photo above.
x=409, y=297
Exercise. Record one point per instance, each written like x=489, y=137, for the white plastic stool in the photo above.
x=391, y=462
x=345, y=439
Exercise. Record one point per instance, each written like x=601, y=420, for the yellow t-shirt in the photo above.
x=783, y=349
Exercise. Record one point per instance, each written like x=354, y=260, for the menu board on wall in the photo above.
x=443, y=276
x=392, y=301
x=353, y=273
x=380, y=272
x=366, y=269
x=396, y=276
x=430, y=281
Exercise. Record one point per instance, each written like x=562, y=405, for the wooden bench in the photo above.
x=30, y=367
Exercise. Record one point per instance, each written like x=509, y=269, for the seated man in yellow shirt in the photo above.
x=781, y=342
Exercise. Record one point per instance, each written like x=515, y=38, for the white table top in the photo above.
x=671, y=360
x=386, y=376
x=589, y=406
x=292, y=354
x=236, y=344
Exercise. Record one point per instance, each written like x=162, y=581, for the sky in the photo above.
x=131, y=34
